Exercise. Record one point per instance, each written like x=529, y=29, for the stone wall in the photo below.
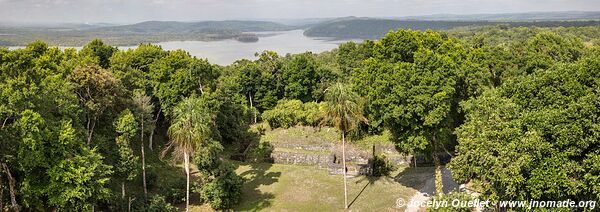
x=320, y=160
x=353, y=169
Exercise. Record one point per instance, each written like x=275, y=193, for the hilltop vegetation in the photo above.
x=372, y=28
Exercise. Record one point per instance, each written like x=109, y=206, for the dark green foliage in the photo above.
x=224, y=190
x=179, y=75
x=381, y=166
x=99, y=52
x=221, y=186
x=261, y=152
x=541, y=128
x=174, y=192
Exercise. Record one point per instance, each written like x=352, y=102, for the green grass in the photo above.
x=277, y=187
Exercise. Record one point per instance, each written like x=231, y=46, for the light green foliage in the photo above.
x=344, y=109
x=77, y=183
x=132, y=66
x=191, y=126
x=75, y=176
x=546, y=48
x=288, y=113
x=127, y=165
x=158, y=204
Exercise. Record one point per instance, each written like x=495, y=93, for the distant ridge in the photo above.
x=195, y=27
x=374, y=28
x=527, y=16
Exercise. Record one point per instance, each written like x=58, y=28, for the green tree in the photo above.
x=534, y=137
x=99, y=52
x=344, y=112
x=179, y=75
x=126, y=167
x=58, y=171
x=191, y=126
x=97, y=90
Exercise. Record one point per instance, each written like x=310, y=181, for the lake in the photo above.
x=225, y=52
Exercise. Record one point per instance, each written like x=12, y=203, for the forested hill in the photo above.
x=195, y=27
x=529, y=16
x=133, y=34
x=373, y=28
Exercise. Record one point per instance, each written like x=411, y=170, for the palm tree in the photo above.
x=189, y=129
x=344, y=112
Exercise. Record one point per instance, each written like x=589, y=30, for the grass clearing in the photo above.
x=277, y=187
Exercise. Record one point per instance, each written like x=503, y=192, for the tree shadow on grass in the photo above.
x=253, y=198
x=416, y=178
x=370, y=181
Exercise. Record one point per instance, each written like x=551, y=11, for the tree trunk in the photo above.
x=123, y=190
x=186, y=161
x=153, y=129
x=252, y=108
x=11, y=186
x=4, y=123
x=344, y=169
x=143, y=159
x=90, y=131
x=129, y=205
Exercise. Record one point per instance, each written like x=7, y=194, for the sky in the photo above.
x=131, y=11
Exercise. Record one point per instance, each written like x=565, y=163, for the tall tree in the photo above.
x=179, y=75
x=144, y=109
x=191, y=126
x=126, y=167
x=344, y=112
x=99, y=52
x=97, y=90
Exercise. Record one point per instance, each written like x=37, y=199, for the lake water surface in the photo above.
x=225, y=52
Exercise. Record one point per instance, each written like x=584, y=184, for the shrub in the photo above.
x=156, y=203
x=381, y=166
x=312, y=113
x=224, y=190
x=286, y=114
x=174, y=191
x=260, y=153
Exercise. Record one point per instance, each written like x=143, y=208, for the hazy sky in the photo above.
x=128, y=11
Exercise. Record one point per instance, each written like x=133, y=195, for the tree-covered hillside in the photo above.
x=372, y=28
